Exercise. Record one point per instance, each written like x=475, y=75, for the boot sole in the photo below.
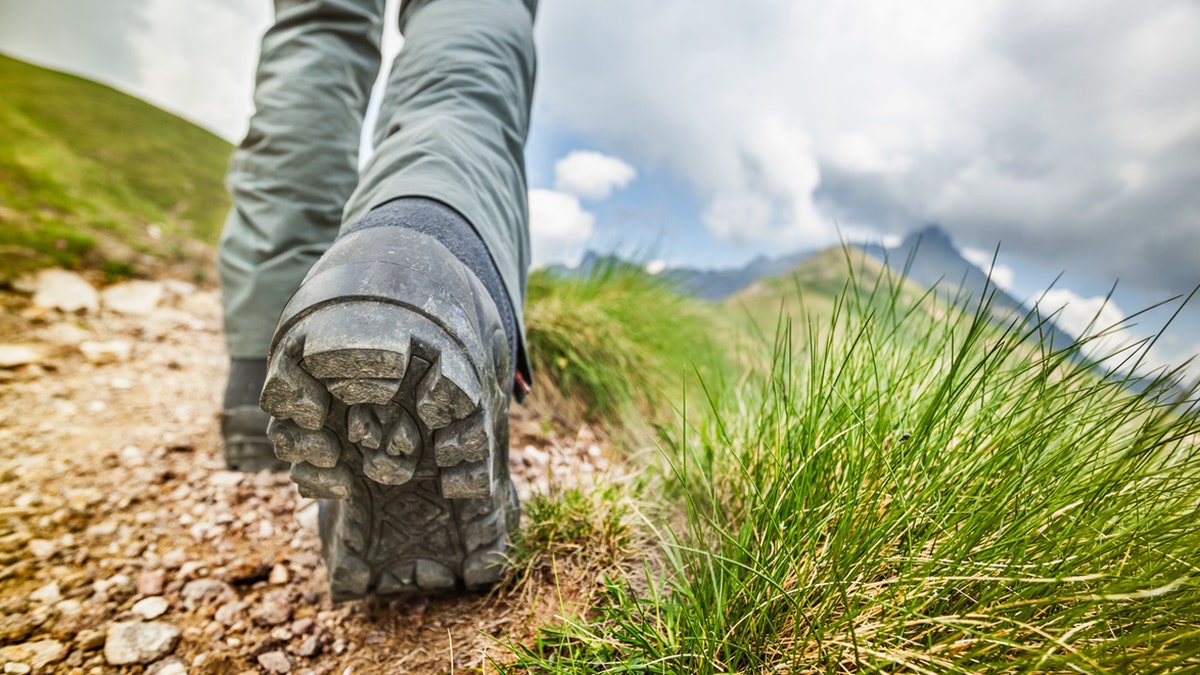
x=397, y=415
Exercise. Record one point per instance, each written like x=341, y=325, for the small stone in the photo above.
x=171, y=666
x=203, y=591
x=275, y=662
x=66, y=291
x=274, y=610
x=111, y=351
x=36, y=655
x=535, y=457
x=42, y=549
x=137, y=642
x=279, y=575
x=150, y=582
x=88, y=639
x=135, y=298
x=151, y=607
x=12, y=356
x=47, y=595
x=303, y=626
x=230, y=612
x=17, y=668
x=309, y=647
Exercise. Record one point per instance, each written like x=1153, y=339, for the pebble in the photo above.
x=309, y=647
x=134, y=298
x=88, y=639
x=42, y=549
x=111, y=351
x=274, y=610
x=171, y=666
x=12, y=356
x=204, y=591
x=151, y=607
x=275, y=662
x=230, y=612
x=150, y=582
x=37, y=655
x=137, y=642
x=47, y=595
x=279, y=575
x=65, y=291
x=17, y=668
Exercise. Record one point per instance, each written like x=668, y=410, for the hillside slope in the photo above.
x=95, y=179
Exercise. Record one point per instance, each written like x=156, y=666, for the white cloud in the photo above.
x=1068, y=130
x=1002, y=275
x=558, y=225
x=591, y=175
x=1098, y=320
x=657, y=266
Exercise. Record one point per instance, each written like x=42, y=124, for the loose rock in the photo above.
x=202, y=591
x=37, y=654
x=137, y=642
x=12, y=356
x=171, y=666
x=274, y=610
x=279, y=575
x=275, y=662
x=135, y=298
x=150, y=582
x=66, y=291
x=89, y=639
x=47, y=595
x=151, y=607
x=111, y=351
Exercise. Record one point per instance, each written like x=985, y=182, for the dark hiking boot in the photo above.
x=388, y=382
x=243, y=423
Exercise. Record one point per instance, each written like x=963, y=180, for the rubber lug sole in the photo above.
x=399, y=418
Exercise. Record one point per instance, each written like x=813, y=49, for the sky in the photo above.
x=706, y=133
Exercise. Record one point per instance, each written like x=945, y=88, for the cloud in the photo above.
x=1068, y=130
x=1100, y=322
x=591, y=175
x=557, y=227
x=1002, y=275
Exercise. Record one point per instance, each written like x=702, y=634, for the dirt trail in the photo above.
x=122, y=537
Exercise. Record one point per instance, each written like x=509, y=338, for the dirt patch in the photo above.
x=124, y=541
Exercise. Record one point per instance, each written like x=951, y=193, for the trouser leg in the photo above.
x=291, y=176
x=453, y=124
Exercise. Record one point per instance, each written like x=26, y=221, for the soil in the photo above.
x=120, y=529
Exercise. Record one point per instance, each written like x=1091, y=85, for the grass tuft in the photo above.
x=616, y=340
x=907, y=487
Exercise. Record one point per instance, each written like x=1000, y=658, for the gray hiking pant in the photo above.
x=452, y=128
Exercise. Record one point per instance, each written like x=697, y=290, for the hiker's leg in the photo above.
x=290, y=179
x=391, y=367
x=291, y=176
x=453, y=124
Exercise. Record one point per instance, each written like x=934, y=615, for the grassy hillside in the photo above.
x=902, y=486
x=92, y=178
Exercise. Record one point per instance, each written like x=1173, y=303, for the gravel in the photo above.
x=124, y=541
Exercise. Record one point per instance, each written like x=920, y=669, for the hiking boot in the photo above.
x=243, y=424
x=388, y=384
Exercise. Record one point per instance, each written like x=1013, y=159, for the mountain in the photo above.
x=94, y=179
x=930, y=258
x=716, y=285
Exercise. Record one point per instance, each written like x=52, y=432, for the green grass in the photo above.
x=616, y=341
x=906, y=487
x=86, y=172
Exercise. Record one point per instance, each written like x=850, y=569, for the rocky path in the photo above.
x=126, y=547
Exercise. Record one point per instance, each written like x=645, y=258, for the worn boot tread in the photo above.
x=412, y=438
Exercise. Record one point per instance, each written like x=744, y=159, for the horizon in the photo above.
x=1066, y=134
